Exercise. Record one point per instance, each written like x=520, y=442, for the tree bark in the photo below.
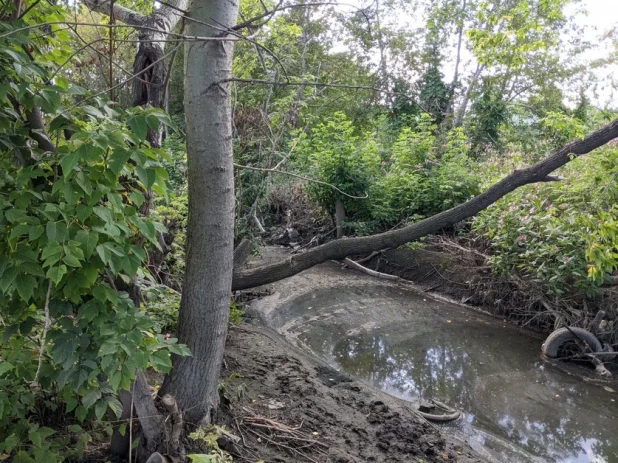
x=461, y=112
x=204, y=308
x=339, y=217
x=153, y=31
x=342, y=248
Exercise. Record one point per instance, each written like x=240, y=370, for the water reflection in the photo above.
x=517, y=408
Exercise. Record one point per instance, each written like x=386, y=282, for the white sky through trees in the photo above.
x=598, y=24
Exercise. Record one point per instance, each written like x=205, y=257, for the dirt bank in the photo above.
x=274, y=389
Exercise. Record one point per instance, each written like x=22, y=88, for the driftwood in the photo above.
x=370, y=272
x=342, y=248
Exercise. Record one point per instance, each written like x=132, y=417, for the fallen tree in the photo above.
x=342, y=248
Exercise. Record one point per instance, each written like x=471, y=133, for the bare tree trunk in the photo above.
x=339, y=249
x=204, y=308
x=154, y=29
x=461, y=112
x=339, y=217
x=447, y=123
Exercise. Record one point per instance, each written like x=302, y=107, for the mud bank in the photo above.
x=274, y=388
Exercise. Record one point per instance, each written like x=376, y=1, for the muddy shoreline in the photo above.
x=349, y=421
x=278, y=381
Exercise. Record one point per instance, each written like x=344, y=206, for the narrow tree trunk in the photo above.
x=448, y=116
x=204, y=308
x=339, y=217
x=342, y=248
x=461, y=112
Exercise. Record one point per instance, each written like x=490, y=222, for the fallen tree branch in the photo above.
x=370, y=272
x=340, y=249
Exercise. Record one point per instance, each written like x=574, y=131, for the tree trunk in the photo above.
x=342, y=248
x=153, y=30
x=461, y=112
x=204, y=308
x=339, y=217
x=448, y=113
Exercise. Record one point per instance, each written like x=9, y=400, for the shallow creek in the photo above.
x=517, y=407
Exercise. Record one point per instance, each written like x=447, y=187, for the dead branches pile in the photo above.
x=295, y=441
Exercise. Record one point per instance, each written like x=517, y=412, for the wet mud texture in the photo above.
x=352, y=422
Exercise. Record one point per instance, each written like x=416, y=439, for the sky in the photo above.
x=601, y=17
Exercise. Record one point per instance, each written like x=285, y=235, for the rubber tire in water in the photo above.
x=560, y=336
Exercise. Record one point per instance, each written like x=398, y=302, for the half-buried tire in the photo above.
x=560, y=337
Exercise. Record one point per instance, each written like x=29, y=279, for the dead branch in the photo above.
x=370, y=272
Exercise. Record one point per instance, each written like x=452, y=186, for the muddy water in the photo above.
x=517, y=407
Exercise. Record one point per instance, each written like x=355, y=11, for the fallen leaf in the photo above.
x=608, y=389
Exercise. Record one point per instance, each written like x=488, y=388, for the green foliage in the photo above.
x=423, y=179
x=70, y=235
x=333, y=154
x=563, y=235
x=489, y=113
x=210, y=435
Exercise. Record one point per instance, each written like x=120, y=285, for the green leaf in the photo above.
x=16, y=215
x=51, y=254
x=56, y=273
x=83, y=212
x=25, y=286
x=100, y=409
x=71, y=260
x=103, y=213
x=5, y=366
x=69, y=162
x=114, y=404
x=50, y=230
x=161, y=361
x=32, y=268
x=91, y=397
x=35, y=232
x=139, y=126
x=118, y=160
x=146, y=176
x=88, y=241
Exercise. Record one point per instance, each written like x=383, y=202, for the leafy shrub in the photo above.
x=71, y=238
x=561, y=235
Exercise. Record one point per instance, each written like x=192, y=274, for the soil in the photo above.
x=273, y=388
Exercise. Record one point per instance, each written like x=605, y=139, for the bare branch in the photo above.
x=126, y=15
x=129, y=79
x=274, y=171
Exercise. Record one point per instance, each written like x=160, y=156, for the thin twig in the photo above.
x=261, y=169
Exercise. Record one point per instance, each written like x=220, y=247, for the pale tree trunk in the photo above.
x=448, y=117
x=204, y=308
x=461, y=112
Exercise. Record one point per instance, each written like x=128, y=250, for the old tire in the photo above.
x=559, y=337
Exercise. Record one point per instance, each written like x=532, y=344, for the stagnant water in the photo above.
x=517, y=407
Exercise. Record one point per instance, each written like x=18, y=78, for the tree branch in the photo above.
x=126, y=15
x=342, y=248
x=275, y=171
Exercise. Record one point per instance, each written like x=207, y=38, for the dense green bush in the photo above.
x=406, y=176
x=561, y=235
